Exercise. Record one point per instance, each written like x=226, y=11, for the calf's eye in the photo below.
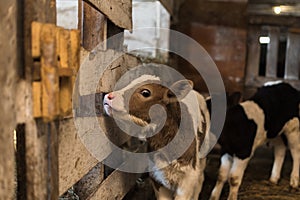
x=146, y=93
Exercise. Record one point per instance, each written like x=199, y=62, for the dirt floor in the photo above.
x=255, y=185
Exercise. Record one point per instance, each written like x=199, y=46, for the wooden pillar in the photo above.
x=94, y=27
x=40, y=137
x=8, y=62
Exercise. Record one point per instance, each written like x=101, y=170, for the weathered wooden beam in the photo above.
x=268, y=9
x=8, y=78
x=120, y=182
x=74, y=159
x=37, y=99
x=288, y=21
x=90, y=182
x=49, y=73
x=41, y=138
x=119, y=12
x=41, y=160
x=94, y=30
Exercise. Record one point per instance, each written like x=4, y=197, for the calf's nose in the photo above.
x=110, y=96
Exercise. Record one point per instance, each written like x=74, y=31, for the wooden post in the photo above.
x=41, y=137
x=49, y=73
x=8, y=78
x=119, y=12
x=94, y=27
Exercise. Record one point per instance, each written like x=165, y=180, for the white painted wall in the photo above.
x=67, y=13
x=148, y=13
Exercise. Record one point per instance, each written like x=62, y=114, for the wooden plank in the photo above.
x=8, y=78
x=52, y=160
x=49, y=73
x=118, y=183
x=115, y=70
x=94, y=27
x=272, y=53
x=65, y=96
x=115, y=186
x=117, y=63
x=37, y=99
x=90, y=182
x=267, y=9
x=64, y=47
x=287, y=21
x=66, y=72
x=41, y=160
x=119, y=12
x=36, y=165
x=292, y=61
x=36, y=42
x=75, y=50
x=74, y=159
x=253, y=55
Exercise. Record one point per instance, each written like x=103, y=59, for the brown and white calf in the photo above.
x=183, y=177
x=271, y=113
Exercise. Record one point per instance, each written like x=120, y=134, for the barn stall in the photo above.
x=43, y=44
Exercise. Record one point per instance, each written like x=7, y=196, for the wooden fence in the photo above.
x=36, y=99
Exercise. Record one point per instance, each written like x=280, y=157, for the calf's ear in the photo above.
x=178, y=90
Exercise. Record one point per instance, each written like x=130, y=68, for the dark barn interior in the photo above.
x=47, y=45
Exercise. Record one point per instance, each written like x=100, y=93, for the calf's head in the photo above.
x=138, y=98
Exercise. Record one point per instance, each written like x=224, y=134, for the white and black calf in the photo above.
x=183, y=177
x=271, y=112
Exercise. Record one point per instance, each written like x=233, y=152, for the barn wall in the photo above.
x=8, y=62
x=211, y=24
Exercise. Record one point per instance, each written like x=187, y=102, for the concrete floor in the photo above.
x=255, y=185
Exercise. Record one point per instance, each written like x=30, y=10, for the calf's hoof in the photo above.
x=294, y=182
x=274, y=180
